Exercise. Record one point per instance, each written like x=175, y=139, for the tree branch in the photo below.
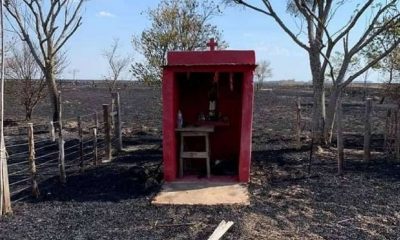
x=371, y=64
x=12, y=10
x=270, y=12
x=353, y=22
x=74, y=20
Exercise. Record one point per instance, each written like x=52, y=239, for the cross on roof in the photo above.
x=212, y=44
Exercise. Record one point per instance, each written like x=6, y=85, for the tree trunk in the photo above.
x=28, y=114
x=365, y=85
x=318, y=117
x=53, y=90
x=388, y=84
x=330, y=114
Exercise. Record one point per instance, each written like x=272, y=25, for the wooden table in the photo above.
x=201, y=131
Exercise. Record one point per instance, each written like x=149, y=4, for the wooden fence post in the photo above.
x=5, y=197
x=32, y=164
x=339, y=136
x=107, y=129
x=298, y=123
x=397, y=134
x=386, y=141
x=52, y=132
x=61, y=163
x=80, y=132
x=112, y=110
x=367, y=130
x=96, y=126
x=117, y=120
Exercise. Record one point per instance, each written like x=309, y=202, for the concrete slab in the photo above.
x=203, y=193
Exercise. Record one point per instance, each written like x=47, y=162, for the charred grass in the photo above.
x=112, y=201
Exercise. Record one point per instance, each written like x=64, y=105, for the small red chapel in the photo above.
x=207, y=114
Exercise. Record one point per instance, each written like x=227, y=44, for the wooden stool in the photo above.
x=195, y=132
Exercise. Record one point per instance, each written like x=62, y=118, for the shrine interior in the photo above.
x=212, y=99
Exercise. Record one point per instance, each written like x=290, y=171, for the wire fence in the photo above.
x=380, y=124
x=84, y=144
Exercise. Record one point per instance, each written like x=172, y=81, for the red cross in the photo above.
x=212, y=44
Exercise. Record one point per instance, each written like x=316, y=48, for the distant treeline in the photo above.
x=80, y=82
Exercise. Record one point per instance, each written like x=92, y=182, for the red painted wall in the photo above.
x=187, y=80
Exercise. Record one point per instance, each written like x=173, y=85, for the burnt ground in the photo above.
x=112, y=201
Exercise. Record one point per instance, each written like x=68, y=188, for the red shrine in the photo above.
x=207, y=114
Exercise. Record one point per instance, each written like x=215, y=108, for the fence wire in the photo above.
x=47, y=153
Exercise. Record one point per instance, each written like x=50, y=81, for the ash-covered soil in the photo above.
x=112, y=201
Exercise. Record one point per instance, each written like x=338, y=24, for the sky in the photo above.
x=243, y=29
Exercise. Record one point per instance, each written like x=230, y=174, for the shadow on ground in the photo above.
x=127, y=177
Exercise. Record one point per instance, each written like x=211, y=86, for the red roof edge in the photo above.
x=220, y=57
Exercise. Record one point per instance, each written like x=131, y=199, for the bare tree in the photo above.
x=320, y=39
x=74, y=73
x=45, y=26
x=29, y=85
x=116, y=63
x=262, y=72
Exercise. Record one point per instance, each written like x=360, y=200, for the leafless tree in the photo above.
x=116, y=63
x=319, y=38
x=28, y=83
x=262, y=72
x=45, y=26
x=74, y=73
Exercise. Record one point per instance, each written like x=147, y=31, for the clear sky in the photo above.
x=104, y=20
